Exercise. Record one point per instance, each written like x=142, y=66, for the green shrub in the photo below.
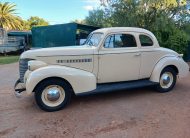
x=176, y=40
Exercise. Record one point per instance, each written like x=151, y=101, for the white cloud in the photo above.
x=92, y=1
x=88, y=7
x=91, y=4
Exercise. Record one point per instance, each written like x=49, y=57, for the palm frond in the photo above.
x=8, y=18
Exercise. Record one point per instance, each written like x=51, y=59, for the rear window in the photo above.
x=145, y=40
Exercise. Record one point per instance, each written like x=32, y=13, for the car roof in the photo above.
x=122, y=29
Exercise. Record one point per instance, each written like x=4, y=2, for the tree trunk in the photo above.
x=1, y=27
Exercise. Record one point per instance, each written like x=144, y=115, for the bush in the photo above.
x=176, y=40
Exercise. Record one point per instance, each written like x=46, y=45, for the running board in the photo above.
x=118, y=86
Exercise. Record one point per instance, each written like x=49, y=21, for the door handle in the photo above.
x=137, y=54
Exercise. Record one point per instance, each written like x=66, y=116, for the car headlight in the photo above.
x=35, y=64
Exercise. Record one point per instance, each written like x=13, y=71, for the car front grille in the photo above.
x=23, y=67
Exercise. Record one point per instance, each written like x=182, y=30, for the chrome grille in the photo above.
x=23, y=67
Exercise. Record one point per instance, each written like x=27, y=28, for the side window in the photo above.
x=109, y=42
x=145, y=40
x=120, y=41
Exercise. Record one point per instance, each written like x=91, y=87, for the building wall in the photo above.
x=54, y=35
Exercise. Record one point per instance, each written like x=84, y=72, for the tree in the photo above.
x=25, y=25
x=186, y=28
x=97, y=18
x=36, y=21
x=8, y=18
x=165, y=18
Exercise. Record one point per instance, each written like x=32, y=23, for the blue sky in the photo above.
x=55, y=11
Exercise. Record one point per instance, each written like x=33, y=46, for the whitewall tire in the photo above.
x=52, y=94
x=167, y=80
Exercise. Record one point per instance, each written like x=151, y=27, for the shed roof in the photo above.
x=20, y=33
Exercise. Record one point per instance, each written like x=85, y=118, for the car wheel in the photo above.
x=167, y=80
x=52, y=95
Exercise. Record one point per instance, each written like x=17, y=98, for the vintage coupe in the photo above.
x=111, y=59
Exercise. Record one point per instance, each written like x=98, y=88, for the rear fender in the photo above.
x=178, y=62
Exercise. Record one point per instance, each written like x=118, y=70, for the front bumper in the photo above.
x=19, y=88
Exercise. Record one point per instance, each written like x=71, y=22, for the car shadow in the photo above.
x=83, y=101
x=128, y=93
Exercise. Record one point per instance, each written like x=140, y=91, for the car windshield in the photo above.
x=94, y=39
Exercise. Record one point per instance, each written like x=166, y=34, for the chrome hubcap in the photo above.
x=53, y=95
x=166, y=80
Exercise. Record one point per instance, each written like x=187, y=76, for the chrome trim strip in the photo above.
x=99, y=54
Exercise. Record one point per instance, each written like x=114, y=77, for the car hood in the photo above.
x=58, y=51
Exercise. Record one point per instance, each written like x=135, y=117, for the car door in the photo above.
x=119, y=58
x=150, y=55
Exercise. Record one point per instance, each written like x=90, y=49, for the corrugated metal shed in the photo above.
x=26, y=35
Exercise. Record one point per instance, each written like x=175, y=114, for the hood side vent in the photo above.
x=74, y=60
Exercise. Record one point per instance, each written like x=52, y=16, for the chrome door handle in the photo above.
x=137, y=54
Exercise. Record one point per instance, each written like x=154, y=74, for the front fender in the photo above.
x=80, y=80
x=178, y=62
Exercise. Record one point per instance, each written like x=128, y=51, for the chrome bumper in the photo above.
x=19, y=88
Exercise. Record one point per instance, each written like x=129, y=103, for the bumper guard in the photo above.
x=19, y=88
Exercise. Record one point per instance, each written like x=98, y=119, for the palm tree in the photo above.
x=8, y=18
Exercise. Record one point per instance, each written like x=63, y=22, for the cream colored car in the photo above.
x=111, y=59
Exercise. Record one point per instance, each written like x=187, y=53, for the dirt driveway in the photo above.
x=136, y=113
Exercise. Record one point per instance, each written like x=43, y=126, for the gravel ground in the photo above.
x=139, y=113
